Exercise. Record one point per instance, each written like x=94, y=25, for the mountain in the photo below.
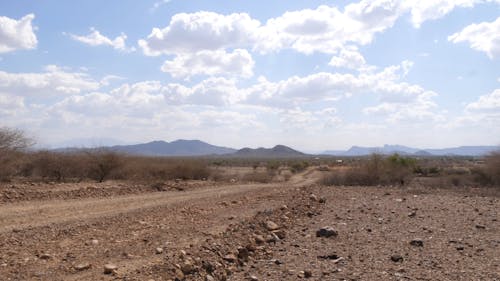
x=279, y=151
x=404, y=150
x=175, y=148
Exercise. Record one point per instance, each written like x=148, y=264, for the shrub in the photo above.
x=375, y=170
x=12, y=143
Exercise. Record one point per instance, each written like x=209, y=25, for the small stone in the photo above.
x=313, y=197
x=109, y=268
x=412, y=214
x=326, y=232
x=243, y=254
x=270, y=225
x=187, y=267
x=179, y=275
x=307, y=274
x=322, y=200
x=478, y=226
x=253, y=278
x=94, y=242
x=82, y=266
x=230, y=258
x=417, y=242
x=280, y=233
x=159, y=250
x=209, y=278
x=45, y=256
x=259, y=239
x=396, y=258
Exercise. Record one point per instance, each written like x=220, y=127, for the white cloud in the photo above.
x=219, y=62
x=326, y=29
x=484, y=37
x=11, y=105
x=425, y=10
x=486, y=104
x=17, y=34
x=53, y=81
x=349, y=58
x=200, y=31
x=95, y=38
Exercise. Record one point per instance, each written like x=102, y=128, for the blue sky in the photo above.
x=313, y=75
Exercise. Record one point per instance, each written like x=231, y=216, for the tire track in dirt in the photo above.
x=34, y=214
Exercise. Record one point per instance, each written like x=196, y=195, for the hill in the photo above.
x=279, y=151
x=404, y=150
x=175, y=148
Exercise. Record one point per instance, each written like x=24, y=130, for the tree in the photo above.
x=12, y=143
x=13, y=140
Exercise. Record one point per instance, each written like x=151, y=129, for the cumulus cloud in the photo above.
x=55, y=80
x=422, y=11
x=219, y=62
x=349, y=58
x=200, y=31
x=11, y=105
x=484, y=37
x=17, y=34
x=486, y=103
x=326, y=29
x=95, y=38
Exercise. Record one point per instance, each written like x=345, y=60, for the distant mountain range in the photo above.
x=175, y=148
x=404, y=150
x=279, y=151
x=200, y=148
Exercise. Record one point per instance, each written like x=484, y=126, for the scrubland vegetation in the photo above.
x=17, y=161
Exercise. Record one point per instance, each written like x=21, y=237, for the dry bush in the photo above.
x=53, y=166
x=162, y=168
x=12, y=143
x=492, y=168
x=376, y=170
x=261, y=177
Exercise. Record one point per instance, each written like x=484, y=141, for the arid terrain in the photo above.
x=202, y=230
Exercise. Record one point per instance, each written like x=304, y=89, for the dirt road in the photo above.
x=152, y=235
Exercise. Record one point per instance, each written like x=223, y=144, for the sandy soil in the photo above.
x=206, y=231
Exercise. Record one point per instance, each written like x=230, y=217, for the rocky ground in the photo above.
x=288, y=231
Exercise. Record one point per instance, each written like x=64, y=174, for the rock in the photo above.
x=179, y=275
x=253, y=278
x=110, y=268
x=159, y=250
x=313, y=197
x=417, y=242
x=187, y=267
x=259, y=239
x=396, y=258
x=280, y=233
x=326, y=232
x=82, y=266
x=230, y=258
x=45, y=256
x=270, y=225
x=94, y=242
x=412, y=214
x=243, y=254
x=308, y=274
x=209, y=278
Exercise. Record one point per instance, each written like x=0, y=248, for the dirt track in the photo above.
x=50, y=239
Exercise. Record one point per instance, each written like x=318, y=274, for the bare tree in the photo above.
x=13, y=140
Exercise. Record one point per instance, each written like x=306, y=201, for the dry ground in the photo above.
x=207, y=231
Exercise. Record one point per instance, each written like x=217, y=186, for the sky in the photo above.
x=313, y=75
